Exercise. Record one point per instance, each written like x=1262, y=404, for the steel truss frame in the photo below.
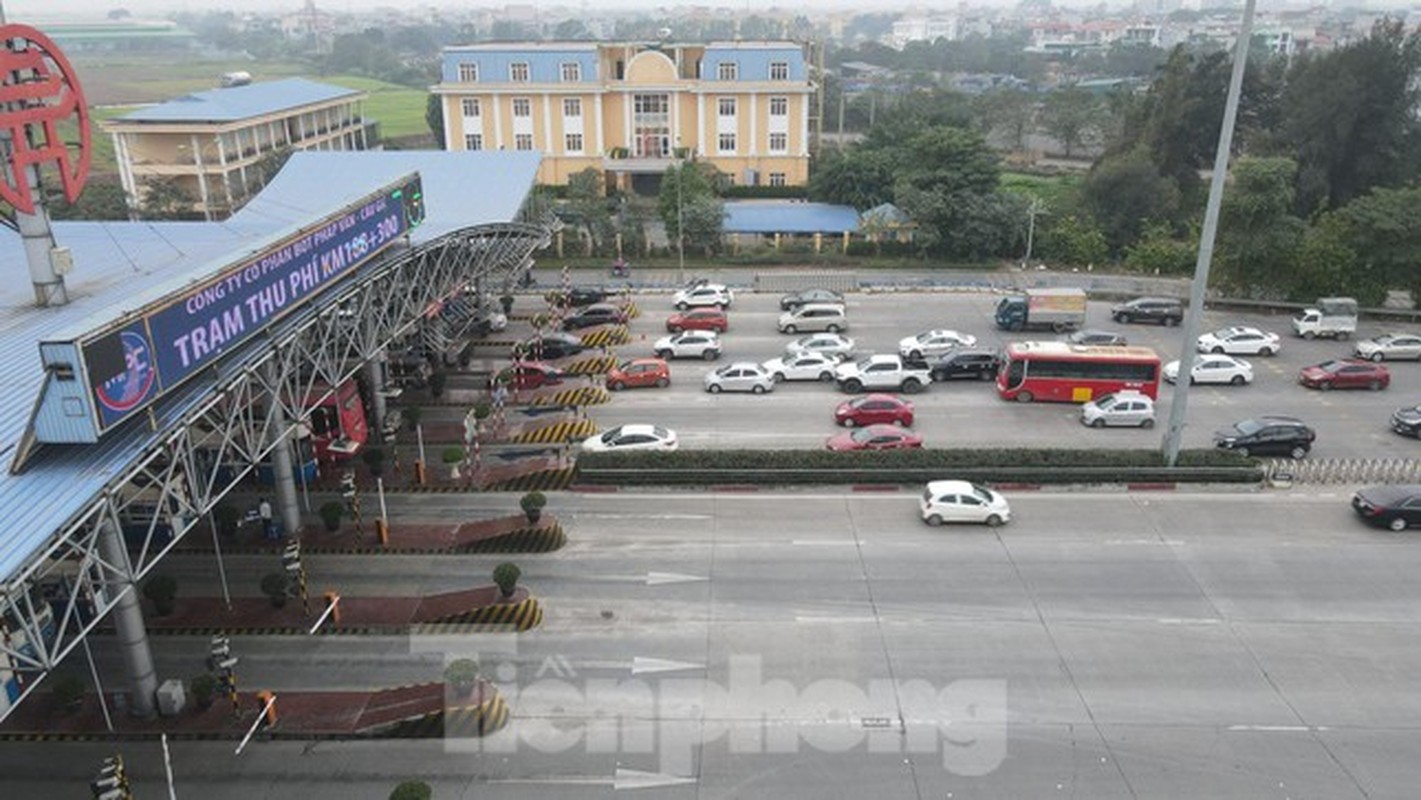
x=198, y=460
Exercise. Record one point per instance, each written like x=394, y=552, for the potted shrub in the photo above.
x=374, y=458
x=274, y=587
x=461, y=676
x=204, y=689
x=68, y=693
x=506, y=576
x=437, y=382
x=162, y=591
x=532, y=504
x=452, y=455
x=412, y=790
x=482, y=410
x=507, y=302
x=332, y=513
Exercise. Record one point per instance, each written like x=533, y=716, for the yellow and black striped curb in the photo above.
x=546, y=480
x=607, y=336
x=543, y=539
x=598, y=365
x=497, y=618
x=580, y=396
x=632, y=310
x=463, y=722
x=278, y=630
x=566, y=431
x=507, y=344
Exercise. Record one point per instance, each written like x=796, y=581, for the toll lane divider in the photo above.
x=565, y=431
x=597, y=365
x=497, y=618
x=607, y=336
x=579, y=396
x=546, y=480
x=456, y=722
x=541, y=539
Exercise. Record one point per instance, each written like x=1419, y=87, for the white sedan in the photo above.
x=833, y=345
x=1389, y=346
x=1239, y=341
x=802, y=367
x=934, y=343
x=690, y=344
x=962, y=501
x=632, y=437
x=1214, y=369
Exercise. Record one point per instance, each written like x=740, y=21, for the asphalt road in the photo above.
x=1350, y=424
x=826, y=644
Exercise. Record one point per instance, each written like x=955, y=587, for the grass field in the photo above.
x=1058, y=192
x=115, y=85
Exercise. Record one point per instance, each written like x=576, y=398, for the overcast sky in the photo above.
x=18, y=10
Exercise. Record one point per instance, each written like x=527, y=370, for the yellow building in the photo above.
x=630, y=110
x=210, y=143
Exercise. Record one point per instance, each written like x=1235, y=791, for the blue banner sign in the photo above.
x=130, y=366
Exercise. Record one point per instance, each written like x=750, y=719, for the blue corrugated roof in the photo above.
x=116, y=260
x=240, y=102
x=789, y=216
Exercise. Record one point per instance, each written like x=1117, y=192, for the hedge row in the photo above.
x=692, y=467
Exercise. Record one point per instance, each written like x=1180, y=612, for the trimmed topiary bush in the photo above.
x=412, y=790
x=506, y=576
x=532, y=504
x=461, y=675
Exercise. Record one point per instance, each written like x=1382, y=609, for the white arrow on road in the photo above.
x=623, y=779
x=663, y=578
x=644, y=666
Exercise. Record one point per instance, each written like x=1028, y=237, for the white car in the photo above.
x=632, y=437
x=689, y=344
x=1121, y=409
x=934, y=343
x=1240, y=341
x=705, y=294
x=802, y=367
x=742, y=376
x=1389, y=346
x=963, y=501
x=830, y=344
x=1214, y=369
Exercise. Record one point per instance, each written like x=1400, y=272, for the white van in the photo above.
x=815, y=317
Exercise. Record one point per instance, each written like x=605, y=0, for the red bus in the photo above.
x=1068, y=373
x=337, y=425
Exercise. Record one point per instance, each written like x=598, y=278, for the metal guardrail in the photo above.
x=1344, y=470
x=794, y=281
x=1290, y=309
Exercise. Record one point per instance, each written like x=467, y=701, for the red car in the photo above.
x=874, y=437
x=639, y=372
x=698, y=319
x=1345, y=374
x=530, y=375
x=874, y=409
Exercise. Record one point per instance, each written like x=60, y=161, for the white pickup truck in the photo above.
x=884, y=373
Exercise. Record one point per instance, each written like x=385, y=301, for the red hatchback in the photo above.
x=698, y=319
x=639, y=372
x=874, y=437
x=530, y=375
x=1345, y=374
x=874, y=409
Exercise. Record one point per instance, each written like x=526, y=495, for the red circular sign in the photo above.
x=38, y=91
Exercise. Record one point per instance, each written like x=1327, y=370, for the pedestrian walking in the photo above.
x=268, y=524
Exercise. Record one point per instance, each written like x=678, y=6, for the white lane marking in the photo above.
x=596, y=515
x=812, y=619
x=664, y=578
x=645, y=666
x=825, y=542
x=1280, y=728
x=1188, y=621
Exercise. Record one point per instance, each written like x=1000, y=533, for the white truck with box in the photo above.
x=1332, y=316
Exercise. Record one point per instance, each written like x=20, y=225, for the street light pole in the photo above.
x=680, y=221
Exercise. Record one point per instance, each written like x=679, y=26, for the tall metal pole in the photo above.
x=680, y=226
x=1175, y=432
x=128, y=621
x=221, y=568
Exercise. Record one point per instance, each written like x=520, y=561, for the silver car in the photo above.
x=1389, y=346
x=834, y=345
x=1127, y=409
x=742, y=376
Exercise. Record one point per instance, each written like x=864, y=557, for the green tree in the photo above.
x=100, y=200
x=165, y=198
x=412, y=790
x=1384, y=231
x=434, y=118
x=858, y=177
x=587, y=202
x=271, y=163
x=1126, y=191
x=1072, y=239
x=1158, y=251
x=1258, y=233
x=1072, y=116
x=1325, y=266
x=688, y=193
x=571, y=30
x=1009, y=113
x=949, y=160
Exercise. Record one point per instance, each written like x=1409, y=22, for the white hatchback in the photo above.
x=689, y=344
x=705, y=294
x=963, y=501
x=742, y=376
x=1121, y=409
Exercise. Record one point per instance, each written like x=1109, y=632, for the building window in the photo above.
x=469, y=72
x=572, y=143
x=725, y=143
x=522, y=107
x=471, y=106
x=522, y=141
x=473, y=141
x=518, y=72
x=726, y=71
x=726, y=105
x=779, y=70
x=779, y=106
x=777, y=179
x=571, y=72
x=572, y=107
x=779, y=142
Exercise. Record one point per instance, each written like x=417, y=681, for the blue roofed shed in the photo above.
x=242, y=102
x=789, y=217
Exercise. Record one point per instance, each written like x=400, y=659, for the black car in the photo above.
x=1094, y=338
x=595, y=314
x=577, y=296
x=1282, y=436
x=1164, y=310
x=553, y=345
x=807, y=296
x=978, y=364
x=1407, y=421
x=1397, y=507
